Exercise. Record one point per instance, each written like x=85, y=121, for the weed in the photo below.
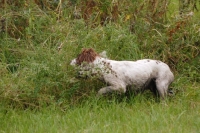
x=38, y=39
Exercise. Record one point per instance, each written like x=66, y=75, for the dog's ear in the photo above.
x=103, y=54
x=87, y=55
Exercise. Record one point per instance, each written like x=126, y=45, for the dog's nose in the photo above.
x=73, y=62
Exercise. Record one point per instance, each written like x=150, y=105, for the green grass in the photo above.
x=140, y=114
x=38, y=91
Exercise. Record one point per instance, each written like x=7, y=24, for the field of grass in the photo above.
x=140, y=114
x=38, y=88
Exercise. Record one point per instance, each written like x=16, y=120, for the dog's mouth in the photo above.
x=82, y=75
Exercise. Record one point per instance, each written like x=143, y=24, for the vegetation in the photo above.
x=38, y=88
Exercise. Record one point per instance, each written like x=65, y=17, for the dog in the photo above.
x=140, y=75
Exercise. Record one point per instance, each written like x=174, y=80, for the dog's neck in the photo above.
x=100, y=61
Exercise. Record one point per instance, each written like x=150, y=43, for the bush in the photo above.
x=38, y=42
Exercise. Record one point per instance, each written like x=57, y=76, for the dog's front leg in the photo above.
x=107, y=89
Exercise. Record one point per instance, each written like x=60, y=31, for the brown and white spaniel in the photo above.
x=140, y=75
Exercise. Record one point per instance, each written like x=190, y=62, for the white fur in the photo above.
x=120, y=74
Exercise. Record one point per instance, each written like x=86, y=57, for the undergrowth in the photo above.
x=38, y=41
x=39, y=91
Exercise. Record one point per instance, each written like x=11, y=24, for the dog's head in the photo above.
x=84, y=63
x=86, y=56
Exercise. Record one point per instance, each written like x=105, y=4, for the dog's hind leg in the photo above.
x=162, y=87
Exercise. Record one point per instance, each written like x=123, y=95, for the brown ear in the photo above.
x=87, y=55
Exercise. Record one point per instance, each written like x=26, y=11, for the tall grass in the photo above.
x=38, y=88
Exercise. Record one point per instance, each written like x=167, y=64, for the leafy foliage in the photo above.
x=38, y=39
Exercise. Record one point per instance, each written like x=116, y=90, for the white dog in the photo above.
x=140, y=75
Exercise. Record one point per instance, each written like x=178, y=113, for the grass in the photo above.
x=38, y=91
x=139, y=114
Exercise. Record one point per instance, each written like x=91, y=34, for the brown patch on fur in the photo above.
x=157, y=62
x=87, y=55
